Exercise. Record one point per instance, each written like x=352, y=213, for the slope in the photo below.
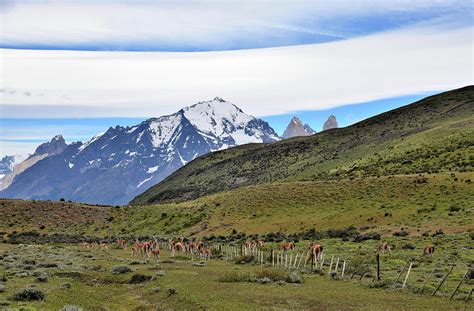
x=432, y=135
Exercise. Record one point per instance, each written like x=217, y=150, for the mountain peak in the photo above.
x=296, y=128
x=330, y=123
x=56, y=145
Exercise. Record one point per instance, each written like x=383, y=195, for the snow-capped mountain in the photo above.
x=21, y=163
x=115, y=166
x=296, y=128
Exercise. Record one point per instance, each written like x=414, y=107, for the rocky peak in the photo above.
x=297, y=128
x=331, y=123
x=55, y=146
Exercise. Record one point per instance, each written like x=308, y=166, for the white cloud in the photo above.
x=261, y=81
x=208, y=24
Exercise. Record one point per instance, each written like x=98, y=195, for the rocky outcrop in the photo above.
x=296, y=128
x=331, y=123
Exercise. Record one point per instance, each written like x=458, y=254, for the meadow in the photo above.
x=68, y=275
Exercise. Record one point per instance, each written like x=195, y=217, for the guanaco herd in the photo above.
x=151, y=248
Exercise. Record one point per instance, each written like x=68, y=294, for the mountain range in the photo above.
x=117, y=165
x=433, y=135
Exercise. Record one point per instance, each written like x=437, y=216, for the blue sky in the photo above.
x=78, y=67
x=17, y=133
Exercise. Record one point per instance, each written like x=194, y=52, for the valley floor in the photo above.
x=70, y=275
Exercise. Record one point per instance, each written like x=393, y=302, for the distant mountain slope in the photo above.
x=434, y=134
x=296, y=128
x=115, y=166
x=53, y=147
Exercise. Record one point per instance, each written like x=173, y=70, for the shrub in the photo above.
x=231, y=277
x=71, y=308
x=29, y=294
x=294, y=277
x=243, y=259
x=2, y=288
x=41, y=277
x=121, y=269
x=172, y=291
x=401, y=233
x=139, y=278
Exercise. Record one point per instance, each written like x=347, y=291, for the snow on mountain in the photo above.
x=115, y=166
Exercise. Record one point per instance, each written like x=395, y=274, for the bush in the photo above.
x=41, y=277
x=139, y=278
x=71, y=308
x=172, y=291
x=2, y=288
x=29, y=294
x=401, y=233
x=294, y=277
x=231, y=277
x=121, y=269
x=243, y=259
x=366, y=236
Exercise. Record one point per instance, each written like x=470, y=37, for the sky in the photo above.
x=79, y=67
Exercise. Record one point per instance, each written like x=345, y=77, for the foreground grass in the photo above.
x=93, y=286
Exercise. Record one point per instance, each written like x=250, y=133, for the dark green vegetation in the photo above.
x=430, y=136
x=86, y=278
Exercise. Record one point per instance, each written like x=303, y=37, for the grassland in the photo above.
x=84, y=278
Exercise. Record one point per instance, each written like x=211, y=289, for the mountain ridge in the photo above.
x=422, y=133
x=115, y=166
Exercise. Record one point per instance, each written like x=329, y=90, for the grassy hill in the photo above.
x=433, y=135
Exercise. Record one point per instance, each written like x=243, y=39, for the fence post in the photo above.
x=469, y=295
x=378, y=266
x=442, y=281
x=427, y=280
x=301, y=258
x=273, y=258
x=343, y=268
x=330, y=266
x=337, y=264
x=398, y=277
x=457, y=287
x=322, y=262
x=406, y=277
x=296, y=260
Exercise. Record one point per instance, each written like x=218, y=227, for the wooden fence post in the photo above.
x=337, y=265
x=427, y=280
x=457, y=287
x=406, y=277
x=378, y=266
x=469, y=295
x=301, y=258
x=322, y=263
x=442, y=281
x=343, y=268
x=398, y=277
x=330, y=266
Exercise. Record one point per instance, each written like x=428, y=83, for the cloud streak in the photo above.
x=261, y=81
x=209, y=25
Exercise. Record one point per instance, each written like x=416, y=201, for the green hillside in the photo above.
x=433, y=135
